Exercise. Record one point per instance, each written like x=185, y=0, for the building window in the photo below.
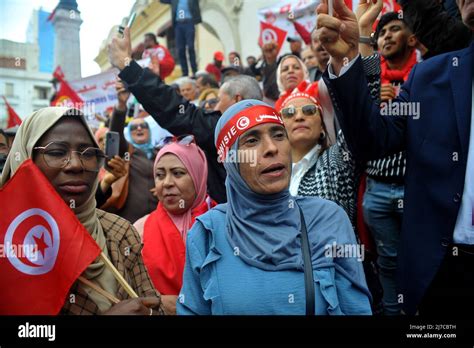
x=41, y=92
x=9, y=91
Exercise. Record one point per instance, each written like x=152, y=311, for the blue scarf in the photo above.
x=262, y=229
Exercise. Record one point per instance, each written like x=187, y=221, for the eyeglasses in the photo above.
x=184, y=139
x=308, y=110
x=57, y=155
x=134, y=126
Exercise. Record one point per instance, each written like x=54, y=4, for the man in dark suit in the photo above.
x=432, y=120
x=185, y=14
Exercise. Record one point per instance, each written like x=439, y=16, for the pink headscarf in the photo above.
x=195, y=162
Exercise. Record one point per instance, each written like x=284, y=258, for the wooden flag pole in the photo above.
x=118, y=276
x=98, y=289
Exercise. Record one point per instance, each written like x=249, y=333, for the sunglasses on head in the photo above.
x=307, y=110
x=134, y=126
x=184, y=139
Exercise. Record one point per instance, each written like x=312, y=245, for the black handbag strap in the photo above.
x=308, y=267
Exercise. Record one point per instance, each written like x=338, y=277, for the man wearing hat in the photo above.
x=295, y=45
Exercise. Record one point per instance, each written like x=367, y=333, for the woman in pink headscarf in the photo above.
x=180, y=173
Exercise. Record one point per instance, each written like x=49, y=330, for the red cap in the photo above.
x=219, y=56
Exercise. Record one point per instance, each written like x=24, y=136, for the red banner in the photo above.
x=269, y=33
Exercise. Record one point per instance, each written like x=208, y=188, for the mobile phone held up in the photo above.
x=129, y=24
x=112, y=144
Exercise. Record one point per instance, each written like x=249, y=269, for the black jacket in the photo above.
x=193, y=7
x=178, y=116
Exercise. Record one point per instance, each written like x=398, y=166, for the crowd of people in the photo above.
x=320, y=181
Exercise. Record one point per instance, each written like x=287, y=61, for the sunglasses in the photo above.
x=135, y=126
x=185, y=139
x=307, y=110
x=210, y=102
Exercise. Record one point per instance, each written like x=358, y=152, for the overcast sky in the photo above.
x=98, y=17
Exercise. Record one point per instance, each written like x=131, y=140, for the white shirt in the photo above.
x=300, y=168
x=464, y=229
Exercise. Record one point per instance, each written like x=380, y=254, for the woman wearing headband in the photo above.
x=266, y=251
x=180, y=173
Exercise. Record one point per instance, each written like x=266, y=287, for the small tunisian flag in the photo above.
x=270, y=33
x=44, y=248
x=13, y=118
x=66, y=96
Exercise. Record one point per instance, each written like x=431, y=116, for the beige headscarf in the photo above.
x=28, y=134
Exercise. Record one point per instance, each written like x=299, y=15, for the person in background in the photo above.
x=215, y=67
x=435, y=254
x=437, y=25
x=322, y=56
x=48, y=137
x=185, y=15
x=236, y=250
x=4, y=149
x=308, y=56
x=180, y=173
x=234, y=59
x=159, y=55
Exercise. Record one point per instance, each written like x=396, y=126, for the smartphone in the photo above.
x=129, y=24
x=112, y=144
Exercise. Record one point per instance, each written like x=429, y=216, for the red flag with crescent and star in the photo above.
x=269, y=33
x=44, y=248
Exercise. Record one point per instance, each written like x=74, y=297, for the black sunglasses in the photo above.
x=308, y=110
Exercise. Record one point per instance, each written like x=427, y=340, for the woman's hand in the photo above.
x=339, y=34
x=169, y=304
x=117, y=170
x=134, y=306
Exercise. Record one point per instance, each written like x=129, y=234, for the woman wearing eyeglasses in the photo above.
x=319, y=169
x=208, y=98
x=63, y=147
x=180, y=173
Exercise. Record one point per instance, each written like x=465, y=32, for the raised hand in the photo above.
x=120, y=50
x=339, y=35
x=122, y=94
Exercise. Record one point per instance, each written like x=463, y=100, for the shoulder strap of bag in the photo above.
x=308, y=267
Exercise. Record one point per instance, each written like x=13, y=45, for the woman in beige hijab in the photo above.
x=64, y=149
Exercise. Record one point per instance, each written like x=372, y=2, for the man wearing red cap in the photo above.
x=215, y=68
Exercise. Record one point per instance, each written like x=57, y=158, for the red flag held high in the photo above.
x=13, y=118
x=44, y=246
x=270, y=33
